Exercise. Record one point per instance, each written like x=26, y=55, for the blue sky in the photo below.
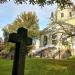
x=9, y=12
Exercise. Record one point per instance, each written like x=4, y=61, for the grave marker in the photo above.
x=22, y=41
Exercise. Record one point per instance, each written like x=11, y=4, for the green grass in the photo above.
x=38, y=66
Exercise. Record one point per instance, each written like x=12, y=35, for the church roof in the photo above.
x=62, y=27
x=67, y=23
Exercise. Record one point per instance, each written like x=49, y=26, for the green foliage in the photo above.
x=27, y=20
x=38, y=66
x=8, y=45
x=5, y=34
x=62, y=3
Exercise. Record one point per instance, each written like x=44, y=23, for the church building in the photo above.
x=60, y=33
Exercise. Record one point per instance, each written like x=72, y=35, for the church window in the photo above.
x=54, y=42
x=62, y=14
x=54, y=36
x=70, y=13
x=64, y=41
x=45, y=41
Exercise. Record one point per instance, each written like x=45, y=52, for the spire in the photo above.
x=52, y=16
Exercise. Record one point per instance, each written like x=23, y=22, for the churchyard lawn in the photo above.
x=40, y=66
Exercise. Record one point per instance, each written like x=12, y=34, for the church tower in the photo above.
x=64, y=14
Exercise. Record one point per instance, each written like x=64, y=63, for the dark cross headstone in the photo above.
x=22, y=41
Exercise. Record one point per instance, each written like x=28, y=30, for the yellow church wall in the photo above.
x=71, y=21
x=66, y=13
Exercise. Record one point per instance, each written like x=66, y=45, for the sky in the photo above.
x=9, y=12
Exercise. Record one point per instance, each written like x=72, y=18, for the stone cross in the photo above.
x=22, y=41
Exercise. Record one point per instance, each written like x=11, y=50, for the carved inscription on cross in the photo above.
x=22, y=41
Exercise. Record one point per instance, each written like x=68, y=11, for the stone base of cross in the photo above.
x=22, y=41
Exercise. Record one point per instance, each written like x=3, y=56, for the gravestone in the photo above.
x=22, y=41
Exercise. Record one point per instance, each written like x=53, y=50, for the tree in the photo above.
x=27, y=20
x=5, y=34
x=8, y=45
x=62, y=3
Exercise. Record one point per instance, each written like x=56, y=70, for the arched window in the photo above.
x=70, y=13
x=54, y=36
x=54, y=40
x=64, y=40
x=45, y=41
x=62, y=14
